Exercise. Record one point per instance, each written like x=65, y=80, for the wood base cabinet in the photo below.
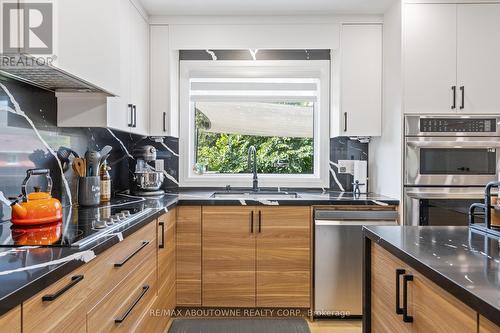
x=188, y=255
x=256, y=257
x=11, y=321
x=403, y=300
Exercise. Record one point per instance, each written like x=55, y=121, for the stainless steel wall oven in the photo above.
x=448, y=161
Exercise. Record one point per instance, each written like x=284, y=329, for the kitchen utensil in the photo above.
x=89, y=191
x=63, y=154
x=93, y=159
x=36, y=207
x=79, y=166
x=105, y=151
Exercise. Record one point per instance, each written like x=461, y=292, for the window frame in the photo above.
x=320, y=177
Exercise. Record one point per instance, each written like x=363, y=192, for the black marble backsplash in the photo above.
x=21, y=148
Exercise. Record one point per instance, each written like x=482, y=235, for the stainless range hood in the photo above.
x=25, y=68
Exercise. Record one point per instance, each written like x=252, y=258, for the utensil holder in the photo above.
x=89, y=191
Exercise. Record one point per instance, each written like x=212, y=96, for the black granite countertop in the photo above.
x=463, y=261
x=25, y=271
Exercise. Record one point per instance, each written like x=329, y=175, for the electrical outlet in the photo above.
x=346, y=166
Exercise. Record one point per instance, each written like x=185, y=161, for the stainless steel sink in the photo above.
x=262, y=195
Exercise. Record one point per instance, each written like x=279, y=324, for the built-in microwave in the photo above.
x=446, y=151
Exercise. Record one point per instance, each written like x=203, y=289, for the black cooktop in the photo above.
x=78, y=227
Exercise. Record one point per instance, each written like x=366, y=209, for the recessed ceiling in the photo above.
x=264, y=7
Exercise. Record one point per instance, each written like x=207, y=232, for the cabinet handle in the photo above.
x=260, y=221
x=162, y=225
x=134, y=107
x=143, y=245
x=399, y=272
x=251, y=222
x=51, y=297
x=131, y=115
x=145, y=289
x=462, y=90
x=454, y=105
x=164, y=121
x=406, y=317
x=345, y=121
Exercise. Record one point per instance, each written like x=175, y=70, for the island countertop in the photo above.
x=462, y=261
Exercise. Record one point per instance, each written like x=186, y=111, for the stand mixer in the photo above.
x=148, y=175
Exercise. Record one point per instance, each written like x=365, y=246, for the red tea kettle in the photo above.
x=36, y=207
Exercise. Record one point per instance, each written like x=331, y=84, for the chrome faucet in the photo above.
x=252, y=155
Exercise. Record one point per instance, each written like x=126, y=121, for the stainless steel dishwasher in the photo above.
x=338, y=258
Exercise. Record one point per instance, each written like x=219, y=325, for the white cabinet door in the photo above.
x=361, y=80
x=160, y=76
x=87, y=42
x=430, y=64
x=139, y=70
x=479, y=57
x=119, y=113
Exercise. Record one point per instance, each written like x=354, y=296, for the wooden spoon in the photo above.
x=80, y=167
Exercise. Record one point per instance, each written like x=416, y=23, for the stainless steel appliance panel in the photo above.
x=451, y=161
x=452, y=125
x=338, y=259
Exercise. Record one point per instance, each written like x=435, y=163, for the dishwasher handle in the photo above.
x=358, y=223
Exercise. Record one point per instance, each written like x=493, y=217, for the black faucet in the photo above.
x=252, y=154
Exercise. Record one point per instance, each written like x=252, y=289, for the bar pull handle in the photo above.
x=462, y=90
x=454, y=105
x=399, y=272
x=131, y=115
x=406, y=318
x=251, y=222
x=260, y=221
x=124, y=261
x=119, y=320
x=164, y=121
x=345, y=121
x=162, y=225
x=51, y=297
x=135, y=115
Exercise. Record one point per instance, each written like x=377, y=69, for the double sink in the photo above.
x=255, y=195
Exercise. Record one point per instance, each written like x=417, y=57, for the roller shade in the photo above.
x=254, y=89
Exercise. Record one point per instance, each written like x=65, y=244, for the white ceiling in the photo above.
x=264, y=7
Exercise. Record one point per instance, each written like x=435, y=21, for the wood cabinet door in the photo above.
x=188, y=255
x=435, y=310
x=486, y=326
x=429, y=60
x=166, y=250
x=383, y=292
x=477, y=59
x=11, y=321
x=283, y=265
x=228, y=256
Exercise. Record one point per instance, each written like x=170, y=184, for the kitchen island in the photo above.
x=422, y=279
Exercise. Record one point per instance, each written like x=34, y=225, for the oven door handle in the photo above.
x=454, y=144
x=431, y=195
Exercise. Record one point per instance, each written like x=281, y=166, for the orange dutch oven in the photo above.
x=36, y=207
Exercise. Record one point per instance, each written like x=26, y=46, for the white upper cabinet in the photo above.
x=451, y=54
x=478, y=57
x=429, y=57
x=86, y=41
x=129, y=110
x=361, y=82
x=159, y=80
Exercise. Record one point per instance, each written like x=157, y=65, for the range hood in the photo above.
x=25, y=68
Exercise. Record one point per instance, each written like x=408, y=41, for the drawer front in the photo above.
x=122, y=309
x=116, y=263
x=86, y=286
x=11, y=321
x=63, y=309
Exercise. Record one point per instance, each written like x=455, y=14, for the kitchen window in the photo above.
x=280, y=107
